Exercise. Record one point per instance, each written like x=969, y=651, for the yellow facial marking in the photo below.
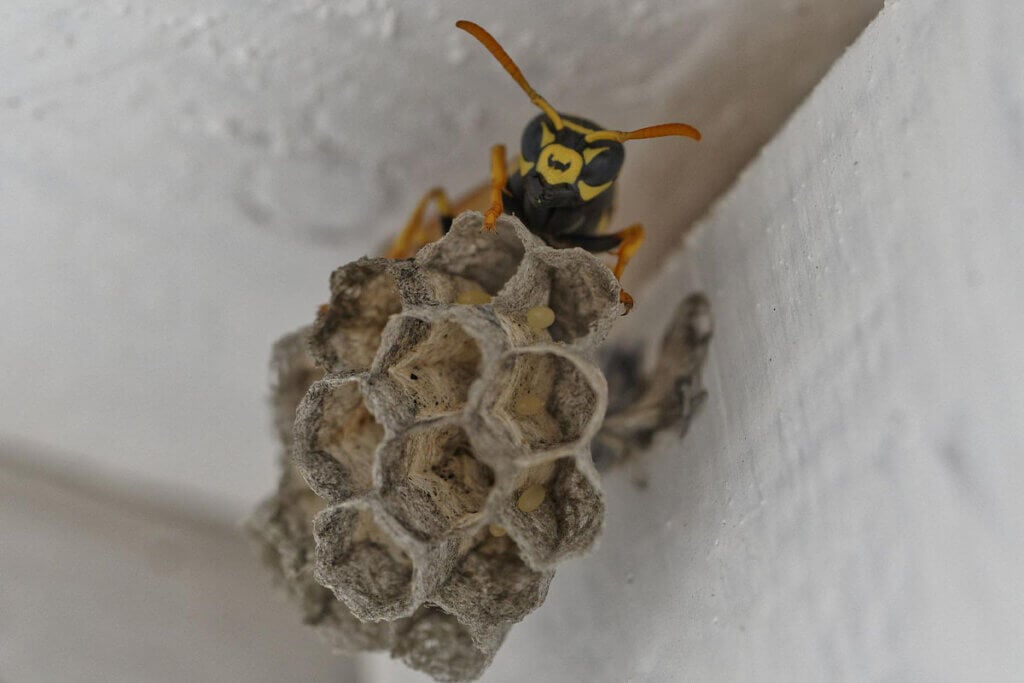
x=558, y=164
x=524, y=166
x=588, y=192
x=590, y=152
x=546, y=136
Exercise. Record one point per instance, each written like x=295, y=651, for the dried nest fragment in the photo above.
x=441, y=464
x=665, y=399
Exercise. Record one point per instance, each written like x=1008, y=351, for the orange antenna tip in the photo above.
x=660, y=131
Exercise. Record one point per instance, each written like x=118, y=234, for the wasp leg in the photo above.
x=499, y=176
x=623, y=244
x=416, y=234
x=630, y=240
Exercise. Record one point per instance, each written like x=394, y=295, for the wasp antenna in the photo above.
x=660, y=131
x=488, y=41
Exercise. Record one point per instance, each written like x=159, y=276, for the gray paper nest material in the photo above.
x=437, y=422
x=441, y=462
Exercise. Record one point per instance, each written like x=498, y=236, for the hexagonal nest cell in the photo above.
x=440, y=646
x=337, y=437
x=283, y=526
x=432, y=482
x=433, y=364
x=556, y=511
x=492, y=585
x=580, y=290
x=579, y=302
x=362, y=564
x=346, y=334
x=462, y=254
x=545, y=399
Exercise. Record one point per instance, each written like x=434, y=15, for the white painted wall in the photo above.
x=849, y=505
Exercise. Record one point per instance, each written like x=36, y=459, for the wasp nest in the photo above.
x=440, y=462
x=436, y=424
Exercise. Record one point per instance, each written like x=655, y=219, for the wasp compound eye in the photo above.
x=602, y=164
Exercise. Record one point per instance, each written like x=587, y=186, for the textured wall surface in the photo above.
x=178, y=179
x=848, y=507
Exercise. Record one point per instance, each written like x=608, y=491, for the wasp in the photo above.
x=561, y=186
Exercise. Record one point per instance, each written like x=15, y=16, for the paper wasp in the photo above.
x=561, y=187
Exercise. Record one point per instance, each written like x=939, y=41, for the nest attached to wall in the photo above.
x=439, y=468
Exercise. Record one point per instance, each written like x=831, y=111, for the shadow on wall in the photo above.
x=102, y=584
x=747, y=72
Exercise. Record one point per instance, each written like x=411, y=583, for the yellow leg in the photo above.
x=630, y=240
x=499, y=176
x=414, y=235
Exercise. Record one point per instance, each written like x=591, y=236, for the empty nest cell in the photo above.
x=489, y=260
x=283, y=526
x=435, y=643
x=433, y=365
x=362, y=564
x=432, y=482
x=347, y=331
x=346, y=432
x=492, y=584
x=321, y=609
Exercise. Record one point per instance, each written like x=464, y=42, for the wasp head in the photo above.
x=561, y=168
x=567, y=160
